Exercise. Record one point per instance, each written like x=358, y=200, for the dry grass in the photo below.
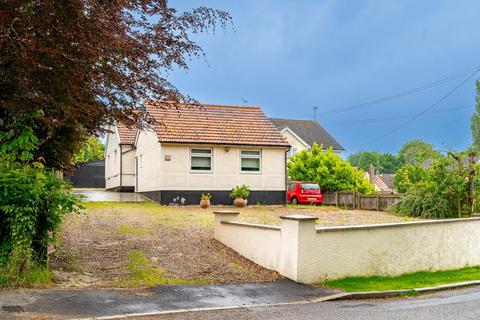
x=141, y=244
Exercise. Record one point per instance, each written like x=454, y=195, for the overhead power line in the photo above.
x=400, y=94
x=418, y=115
x=393, y=117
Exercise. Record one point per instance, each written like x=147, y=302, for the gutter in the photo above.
x=286, y=175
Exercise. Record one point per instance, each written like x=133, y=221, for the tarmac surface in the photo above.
x=104, y=195
x=71, y=304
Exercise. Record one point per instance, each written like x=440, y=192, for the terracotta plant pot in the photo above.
x=204, y=204
x=240, y=202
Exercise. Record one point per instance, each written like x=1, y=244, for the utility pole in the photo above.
x=471, y=180
x=459, y=200
x=315, y=113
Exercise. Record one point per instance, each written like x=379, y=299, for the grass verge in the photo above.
x=35, y=276
x=406, y=281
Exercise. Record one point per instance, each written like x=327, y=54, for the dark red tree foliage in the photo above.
x=83, y=64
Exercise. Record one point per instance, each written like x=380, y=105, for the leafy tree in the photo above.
x=383, y=162
x=417, y=151
x=409, y=175
x=389, y=163
x=475, y=121
x=84, y=64
x=363, y=159
x=91, y=150
x=328, y=170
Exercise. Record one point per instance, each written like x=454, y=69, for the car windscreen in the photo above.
x=310, y=186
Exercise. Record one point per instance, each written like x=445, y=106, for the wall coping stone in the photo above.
x=252, y=225
x=393, y=225
x=298, y=217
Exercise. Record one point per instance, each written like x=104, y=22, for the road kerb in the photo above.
x=396, y=293
x=335, y=297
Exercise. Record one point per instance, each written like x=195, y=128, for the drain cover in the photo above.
x=12, y=309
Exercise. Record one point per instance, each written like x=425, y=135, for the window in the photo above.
x=292, y=151
x=310, y=186
x=292, y=186
x=250, y=160
x=201, y=160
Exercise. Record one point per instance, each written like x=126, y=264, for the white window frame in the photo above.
x=292, y=152
x=191, y=155
x=248, y=156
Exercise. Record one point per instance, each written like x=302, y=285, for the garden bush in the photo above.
x=32, y=204
x=439, y=191
x=408, y=175
x=327, y=169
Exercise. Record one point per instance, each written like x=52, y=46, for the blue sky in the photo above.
x=289, y=56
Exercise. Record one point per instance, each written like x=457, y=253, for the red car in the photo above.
x=304, y=192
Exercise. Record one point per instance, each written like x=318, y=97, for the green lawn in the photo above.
x=406, y=281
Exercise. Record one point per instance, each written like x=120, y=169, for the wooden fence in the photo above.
x=355, y=200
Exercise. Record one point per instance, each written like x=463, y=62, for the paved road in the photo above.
x=452, y=305
x=74, y=303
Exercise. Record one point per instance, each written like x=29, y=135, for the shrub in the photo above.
x=32, y=205
x=242, y=191
x=327, y=169
x=423, y=201
x=409, y=175
x=443, y=190
x=207, y=196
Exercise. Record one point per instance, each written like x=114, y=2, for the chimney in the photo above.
x=371, y=172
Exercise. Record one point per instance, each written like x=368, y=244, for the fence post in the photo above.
x=336, y=198
x=378, y=202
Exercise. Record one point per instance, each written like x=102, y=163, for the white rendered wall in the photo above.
x=301, y=252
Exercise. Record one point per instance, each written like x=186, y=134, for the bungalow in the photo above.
x=195, y=149
x=120, y=159
x=302, y=134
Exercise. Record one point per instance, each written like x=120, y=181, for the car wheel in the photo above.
x=294, y=200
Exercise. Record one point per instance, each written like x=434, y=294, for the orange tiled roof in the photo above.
x=214, y=124
x=127, y=135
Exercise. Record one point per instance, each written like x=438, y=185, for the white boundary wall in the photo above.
x=305, y=254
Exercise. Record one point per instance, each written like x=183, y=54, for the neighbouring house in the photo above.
x=195, y=149
x=120, y=158
x=383, y=182
x=302, y=134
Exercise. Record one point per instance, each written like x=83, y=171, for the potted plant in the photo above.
x=239, y=195
x=205, y=200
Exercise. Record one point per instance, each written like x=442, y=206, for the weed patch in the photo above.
x=34, y=276
x=145, y=273
x=134, y=230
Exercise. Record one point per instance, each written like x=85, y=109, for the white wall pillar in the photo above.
x=223, y=215
x=297, y=232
